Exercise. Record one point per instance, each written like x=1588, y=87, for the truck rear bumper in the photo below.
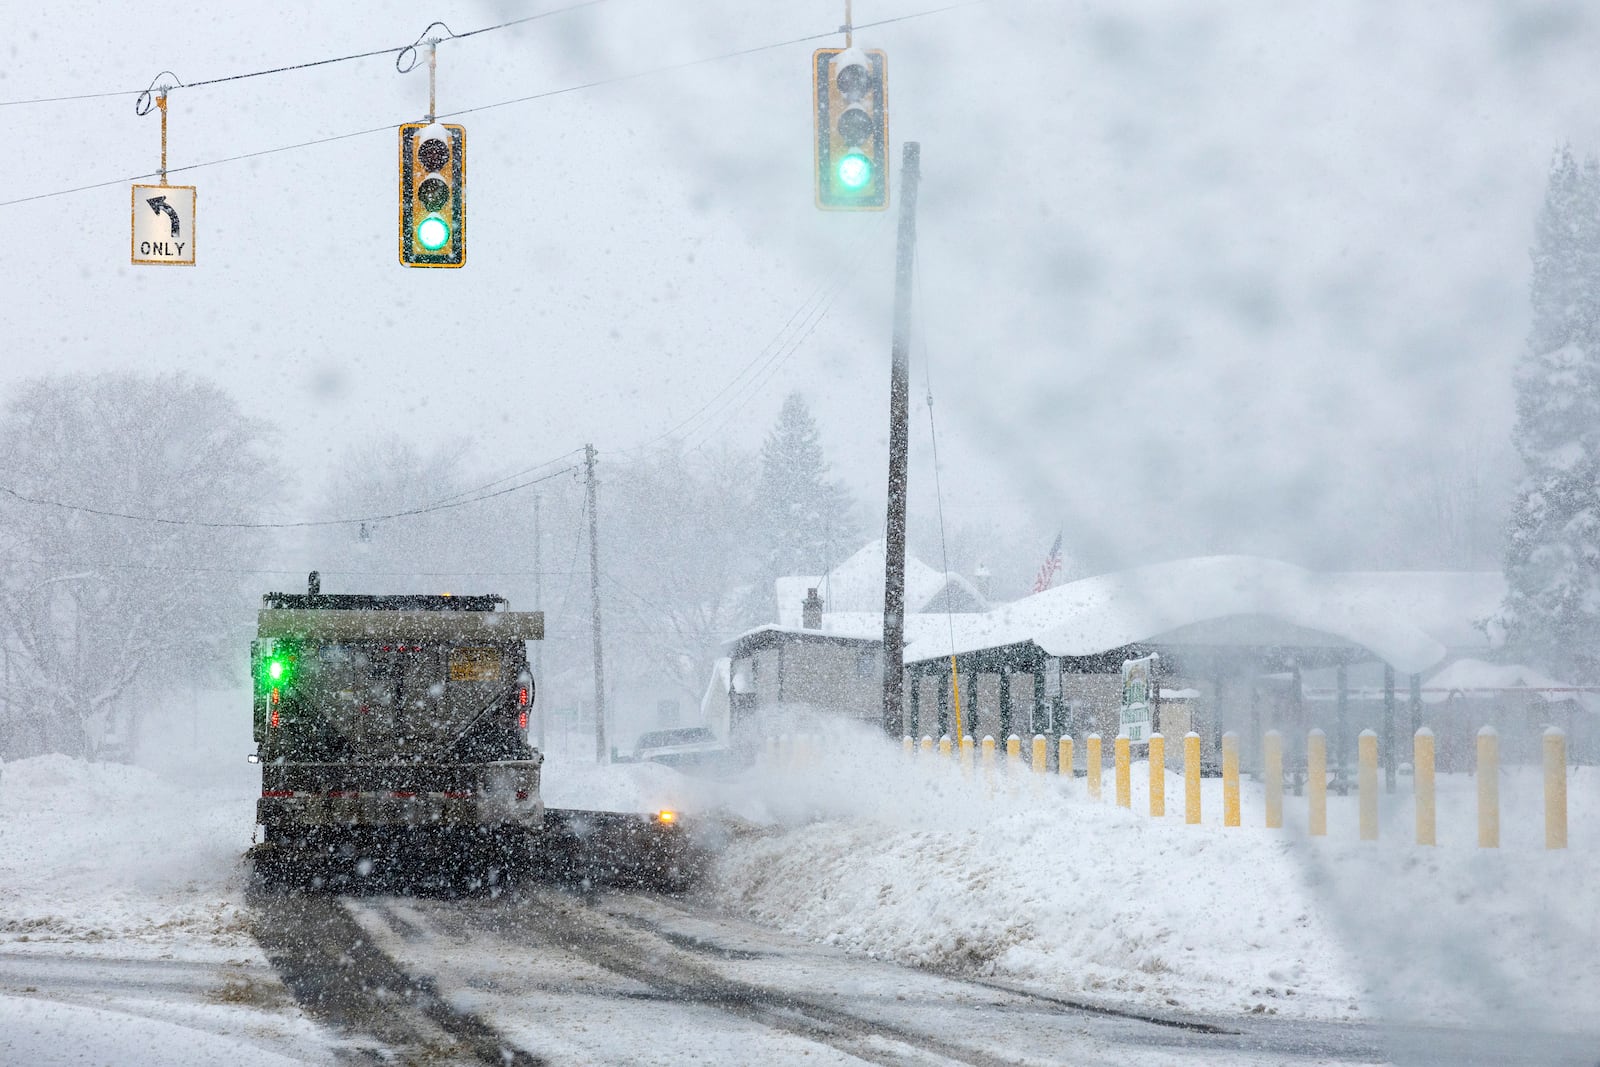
x=295, y=796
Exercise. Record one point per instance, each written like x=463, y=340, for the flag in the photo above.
x=1047, y=570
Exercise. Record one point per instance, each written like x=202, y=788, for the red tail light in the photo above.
x=274, y=714
x=522, y=696
x=522, y=721
x=277, y=792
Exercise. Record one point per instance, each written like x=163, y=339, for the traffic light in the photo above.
x=852, y=94
x=433, y=169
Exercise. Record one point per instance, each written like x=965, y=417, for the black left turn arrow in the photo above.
x=158, y=204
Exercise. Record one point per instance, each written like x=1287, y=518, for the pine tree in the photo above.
x=805, y=517
x=1551, y=615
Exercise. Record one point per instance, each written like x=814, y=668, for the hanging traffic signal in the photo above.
x=852, y=144
x=433, y=168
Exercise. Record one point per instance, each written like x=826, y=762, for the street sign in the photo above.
x=163, y=224
x=1136, y=678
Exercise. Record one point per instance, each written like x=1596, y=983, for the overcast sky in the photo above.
x=1193, y=276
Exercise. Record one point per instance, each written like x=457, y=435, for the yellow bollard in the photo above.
x=1272, y=770
x=1093, y=764
x=1488, y=788
x=1191, y=778
x=907, y=745
x=926, y=748
x=1158, y=776
x=1367, y=783
x=966, y=754
x=988, y=761
x=1040, y=754
x=1124, y=786
x=1013, y=752
x=1230, y=779
x=1064, y=757
x=1317, y=783
x=944, y=746
x=1555, y=788
x=1422, y=779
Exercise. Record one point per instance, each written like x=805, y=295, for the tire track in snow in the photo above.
x=339, y=975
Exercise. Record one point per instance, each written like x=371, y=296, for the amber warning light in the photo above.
x=666, y=815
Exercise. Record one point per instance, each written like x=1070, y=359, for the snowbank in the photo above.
x=1030, y=880
x=92, y=852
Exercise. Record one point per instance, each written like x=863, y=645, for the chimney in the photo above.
x=984, y=581
x=811, y=611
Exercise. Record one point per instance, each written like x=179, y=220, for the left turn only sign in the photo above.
x=163, y=224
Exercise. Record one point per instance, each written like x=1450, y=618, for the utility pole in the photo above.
x=591, y=491
x=538, y=646
x=894, y=543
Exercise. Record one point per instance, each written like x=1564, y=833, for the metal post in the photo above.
x=161, y=102
x=894, y=562
x=538, y=646
x=433, y=70
x=1416, y=703
x=1341, y=749
x=1389, y=767
x=591, y=492
x=1005, y=701
x=944, y=704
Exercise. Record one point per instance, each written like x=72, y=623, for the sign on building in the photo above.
x=1137, y=677
x=163, y=224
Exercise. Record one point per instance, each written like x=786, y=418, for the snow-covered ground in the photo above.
x=123, y=933
x=106, y=867
x=1028, y=879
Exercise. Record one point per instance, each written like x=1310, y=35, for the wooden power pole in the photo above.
x=894, y=542
x=538, y=646
x=591, y=492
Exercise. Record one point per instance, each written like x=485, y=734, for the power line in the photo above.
x=398, y=51
x=822, y=296
x=210, y=524
x=509, y=477
x=482, y=107
x=776, y=361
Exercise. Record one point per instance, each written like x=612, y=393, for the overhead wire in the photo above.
x=397, y=50
x=811, y=311
x=509, y=477
x=482, y=107
x=777, y=360
x=165, y=520
x=933, y=440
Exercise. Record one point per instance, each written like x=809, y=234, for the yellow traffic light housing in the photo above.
x=433, y=169
x=851, y=89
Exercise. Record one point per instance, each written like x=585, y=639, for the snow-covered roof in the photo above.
x=1467, y=676
x=1142, y=605
x=1446, y=605
x=856, y=586
x=1411, y=620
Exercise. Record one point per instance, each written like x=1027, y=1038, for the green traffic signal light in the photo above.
x=855, y=171
x=433, y=233
x=275, y=670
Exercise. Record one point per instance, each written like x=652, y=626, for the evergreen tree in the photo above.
x=805, y=517
x=1551, y=615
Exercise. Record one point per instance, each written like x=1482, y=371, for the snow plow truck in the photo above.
x=391, y=731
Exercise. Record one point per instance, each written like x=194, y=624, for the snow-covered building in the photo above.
x=856, y=587
x=1250, y=643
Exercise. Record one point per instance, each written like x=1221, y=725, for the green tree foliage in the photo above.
x=1552, y=611
x=805, y=522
